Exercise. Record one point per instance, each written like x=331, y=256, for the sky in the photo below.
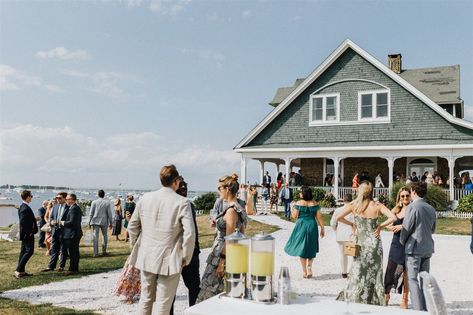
x=102, y=94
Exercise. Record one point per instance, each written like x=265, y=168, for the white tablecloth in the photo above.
x=302, y=305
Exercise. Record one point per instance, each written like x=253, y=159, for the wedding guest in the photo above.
x=304, y=240
x=28, y=228
x=279, y=180
x=117, y=219
x=355, y=183
x=378, y=182
x=129, y=209
x=416, y=235
x=396, y=267
x=365, y=284
x=286, y=196
x=100, y=218
x=190, y=273
x=57, y=242
x=163, y=220
x=414, y=177
x=72, y=226
x=343, y=233
x=251, y=204
x=273, y=198
x=42, y=222
x=232, y=217
x=266, y=179
x=265, y=199
x=243, y=193
x=47, y=215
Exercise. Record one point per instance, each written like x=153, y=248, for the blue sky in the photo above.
x=97, y=93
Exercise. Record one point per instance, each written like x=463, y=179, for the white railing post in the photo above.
x=261, y=172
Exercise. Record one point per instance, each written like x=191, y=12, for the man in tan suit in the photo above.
x=165, y=222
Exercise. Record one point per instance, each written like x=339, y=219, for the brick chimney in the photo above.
x=395, y=63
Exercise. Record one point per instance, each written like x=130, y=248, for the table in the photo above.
x=302, y=305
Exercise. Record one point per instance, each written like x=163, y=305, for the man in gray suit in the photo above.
x=163, y=220
x=416, y=235
x=100, y=217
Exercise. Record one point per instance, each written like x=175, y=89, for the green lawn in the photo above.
x=448, y=226
x=88, y=265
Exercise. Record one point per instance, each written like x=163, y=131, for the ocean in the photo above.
x=9, y=215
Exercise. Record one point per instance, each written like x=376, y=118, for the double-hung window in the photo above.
x=324, y=108
x=373, y=105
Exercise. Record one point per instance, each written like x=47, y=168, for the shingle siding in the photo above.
x=411, y=120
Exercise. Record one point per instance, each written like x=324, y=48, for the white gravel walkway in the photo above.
x=452, y=265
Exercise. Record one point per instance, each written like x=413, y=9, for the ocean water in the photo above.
x=9, y=215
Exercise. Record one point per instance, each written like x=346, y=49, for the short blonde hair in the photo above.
x=168, y=175
x=118, y=202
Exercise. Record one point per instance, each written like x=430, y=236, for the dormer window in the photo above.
x=324, y=108
x=373, y=105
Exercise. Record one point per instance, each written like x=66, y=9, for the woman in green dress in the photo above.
x=304, y=240
x=365, y=283
x=129, y=209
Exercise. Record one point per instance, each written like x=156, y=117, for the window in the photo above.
x=373, y=105
x=324, y=108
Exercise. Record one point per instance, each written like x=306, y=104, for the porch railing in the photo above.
x=343, y=191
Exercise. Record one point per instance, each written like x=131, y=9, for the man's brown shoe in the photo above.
x=47, y=270
x=70, y=273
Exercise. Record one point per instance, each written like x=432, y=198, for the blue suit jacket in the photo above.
x=53, y=215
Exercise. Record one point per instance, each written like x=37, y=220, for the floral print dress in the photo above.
x=365, y=284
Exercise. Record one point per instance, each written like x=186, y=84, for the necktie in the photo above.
x=59, y=213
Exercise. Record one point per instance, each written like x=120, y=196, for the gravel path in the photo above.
x=452, y=265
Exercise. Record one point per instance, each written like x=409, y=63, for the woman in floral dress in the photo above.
x=365, y=284
x=232, y=217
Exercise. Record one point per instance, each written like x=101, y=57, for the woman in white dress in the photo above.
x=343, y=233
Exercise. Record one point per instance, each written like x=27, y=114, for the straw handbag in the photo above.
x=351, y=248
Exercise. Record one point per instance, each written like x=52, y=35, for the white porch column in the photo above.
x=261, y=172
x=336, y=165
x=287, y=163
x=451, y=167
x=243, y=170
x=391, y=172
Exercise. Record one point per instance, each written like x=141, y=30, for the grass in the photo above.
x=119, y=252
x=447, y=226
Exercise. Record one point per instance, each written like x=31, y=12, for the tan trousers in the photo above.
x=343, y=258
x=157, y=293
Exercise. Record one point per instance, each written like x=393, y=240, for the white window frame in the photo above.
x=374, y=106
x=324, y=120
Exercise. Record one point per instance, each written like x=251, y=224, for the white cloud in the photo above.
x=168, y=7
x=133, y=3
x=63, y=53
x=215, y=57
x=246, y=14
x=136, y=158
x=13, y=79
x=104, y=83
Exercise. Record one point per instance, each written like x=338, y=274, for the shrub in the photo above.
x=465, y=204
x=206, y=201
x=295, y=194
x=328, y=201
x=436, y=197
x=318, y=194
x=386, y=201
x=394, y=191
x=83, y=204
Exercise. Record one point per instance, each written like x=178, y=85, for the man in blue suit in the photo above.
x=57, y=248
x=28, y=228
x=286, y=196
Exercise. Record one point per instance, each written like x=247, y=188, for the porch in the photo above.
x=393, y=163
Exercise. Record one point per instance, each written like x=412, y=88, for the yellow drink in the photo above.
x=262, y=264
x=237, y=258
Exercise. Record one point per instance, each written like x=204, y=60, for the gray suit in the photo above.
x=100, y=217
x=416, y=235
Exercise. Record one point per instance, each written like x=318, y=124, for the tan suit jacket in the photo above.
x=164, y=220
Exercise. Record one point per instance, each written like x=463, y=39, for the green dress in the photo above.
x=304, y=240
x=365, y=284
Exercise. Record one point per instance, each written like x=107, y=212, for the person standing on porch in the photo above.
x=416, y=235
x=378, y=181
x=286, y=196
x=265, y=199
x=355, y=183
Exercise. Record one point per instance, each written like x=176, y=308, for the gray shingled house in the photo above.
x=353, y=114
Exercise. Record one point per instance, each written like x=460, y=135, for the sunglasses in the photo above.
x=220, y=188
x=405, y=196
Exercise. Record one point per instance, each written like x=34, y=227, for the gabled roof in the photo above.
x=440, y=84
x=324, y=66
